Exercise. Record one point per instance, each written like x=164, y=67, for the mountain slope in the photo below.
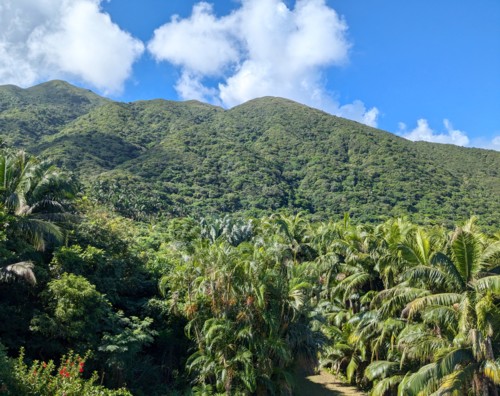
x=26, y=115
x=269, y=153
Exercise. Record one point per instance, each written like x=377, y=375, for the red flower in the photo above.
x=64, y=373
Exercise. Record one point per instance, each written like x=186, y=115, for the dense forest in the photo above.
x=193, y=159
x=161, y=248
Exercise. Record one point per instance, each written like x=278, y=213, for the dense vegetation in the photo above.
x=235, y=306
x=200, y=251
x=189, y=158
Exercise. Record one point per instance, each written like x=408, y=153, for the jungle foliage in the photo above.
x=235, y=305
x=198, y=251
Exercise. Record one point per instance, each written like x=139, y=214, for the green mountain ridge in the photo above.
x=191, y=158
x=27, y=115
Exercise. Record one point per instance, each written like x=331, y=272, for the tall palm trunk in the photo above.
x=488, y=351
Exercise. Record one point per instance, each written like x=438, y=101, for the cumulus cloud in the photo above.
x=200, y=44
x=262, y=48
x=357, y=111
x=64, y=39
x=424, y=132
x=495, y=143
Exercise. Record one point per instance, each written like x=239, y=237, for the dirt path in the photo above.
x=324, y=384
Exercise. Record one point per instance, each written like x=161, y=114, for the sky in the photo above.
x=423, y=69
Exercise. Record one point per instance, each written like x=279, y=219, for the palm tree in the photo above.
x=460, y=317
x=248, y=307
x=33, y=194
x=22, y=270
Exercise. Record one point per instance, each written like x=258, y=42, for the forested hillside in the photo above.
x=189, y=158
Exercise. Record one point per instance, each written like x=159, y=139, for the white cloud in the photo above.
x=358, y=112
x=200, y=44
x=64, y=39
x=189, y=87
x=262, y=48
x=424, y=132
x=495, y=143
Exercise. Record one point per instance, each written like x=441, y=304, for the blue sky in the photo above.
x=427, y=70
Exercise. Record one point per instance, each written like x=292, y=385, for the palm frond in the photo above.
x=454, y=358
x=488, y=283
x=455, y=382
x=351, y=368
x=466, y=254
x=39, y=232
x=445, y=263
x=492, y=370
x=392, y=301
x=352, y=283
x=381, y=369
x=431, y=276
x=385, y=385
x=419, y=304
x=416, y=249
x=444, y=316
x=22, y=270
x=424, y=379
x=490, y=252
x=416, y=342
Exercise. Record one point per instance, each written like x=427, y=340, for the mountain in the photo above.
x=264, y=155
x=27, y=115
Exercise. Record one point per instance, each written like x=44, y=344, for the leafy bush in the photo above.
x=44, y=379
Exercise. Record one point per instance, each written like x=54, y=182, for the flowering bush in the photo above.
x=43, y=379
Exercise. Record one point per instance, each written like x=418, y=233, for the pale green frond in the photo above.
x=444, y=316
x=382, y=387
x=392, y=301
x=351, y=368
x=352, y=283
x=488, y=284
x=164, y=284
x=423, y=380
x=402, y=385
x=488, y=314
x=430, y=276
x=246, y=333
x=491, y=251
x=444, y=262
x=416, y=342
x=421, y=303
x=416, y=249
x=466, y=254
x=381, y=369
